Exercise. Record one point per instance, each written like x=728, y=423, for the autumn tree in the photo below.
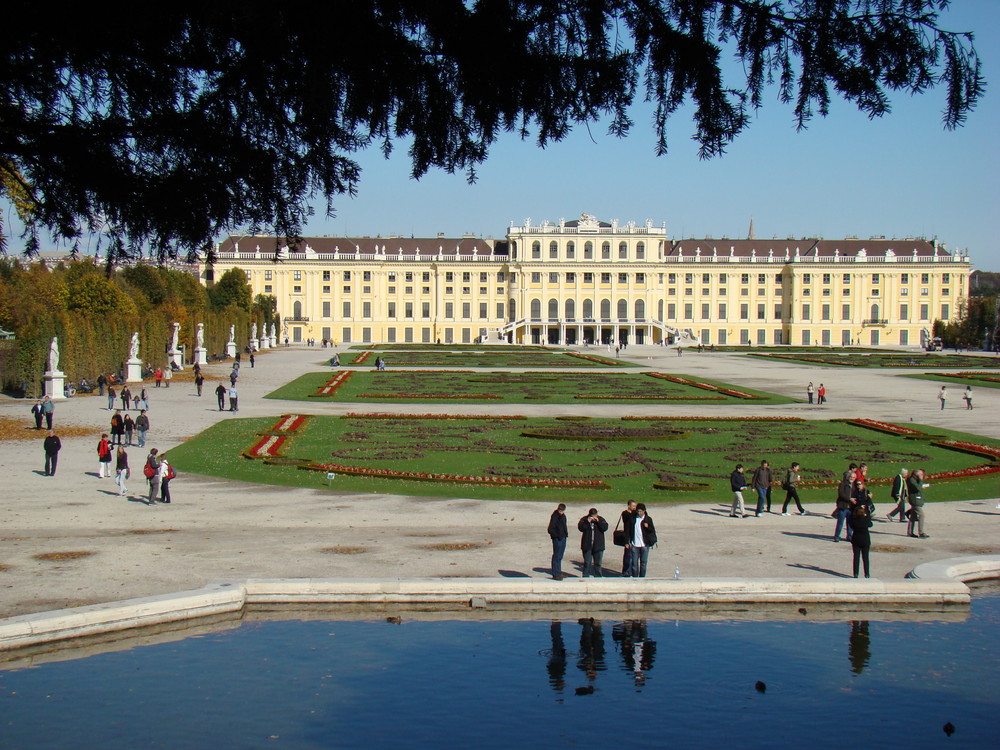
x=232, y=288
x=165, y=129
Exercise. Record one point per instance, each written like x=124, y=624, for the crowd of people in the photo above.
x=634, y=532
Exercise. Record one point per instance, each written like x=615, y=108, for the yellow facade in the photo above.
x=591, y=281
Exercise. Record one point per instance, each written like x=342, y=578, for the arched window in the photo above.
x=553, y=249
x=536, y=309
x=297, y=311
x=875, y=312
x=553, y=309
x=570, y=309
x=640, y=251
x=512, y=310
x=640, y=309
x=513, y=250
x=536, y=250
x=605, y=309
x=606, y=251
x=588, y=309
x=623, y=309
x=623, y=250
x=588, y=250
x=570, y=249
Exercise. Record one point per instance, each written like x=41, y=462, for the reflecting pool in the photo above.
x=578, y=682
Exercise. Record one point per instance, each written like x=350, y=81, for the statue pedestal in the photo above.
x=133, y=371
x=176, y=357
x=55, y=384
x=263, y=343
x=274, y=341
x=201, y=355
x=254, y=345
x=230, y=349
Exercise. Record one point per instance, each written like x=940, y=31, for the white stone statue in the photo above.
x=173, y=343
x=274, y=333
x=133, y=352
x=253, y=331
x=54, y=355
x=199, y=336
x=232, y=335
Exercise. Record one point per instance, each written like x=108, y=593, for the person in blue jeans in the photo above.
x=844, y=505
x=641, y=536
x=761, y=482
x=558, y=532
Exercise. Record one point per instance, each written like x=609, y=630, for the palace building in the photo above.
x=597, y=282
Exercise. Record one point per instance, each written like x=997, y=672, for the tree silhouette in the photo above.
x=163, y=129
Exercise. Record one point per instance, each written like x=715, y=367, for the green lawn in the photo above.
x=491, y=358
x=455, y=348
x=975, y=379
x=689, y=460
x=469, y=387
x=922, y=359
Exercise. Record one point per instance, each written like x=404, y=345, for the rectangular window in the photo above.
x=761, y=278
x=408, y=290
x=640, y=278
x=904, y=312
x=326, y=309
x=605, y=278
x=705, y=311
x=347, y=310
x=761, y=312
x=483, y=291
x=807, y=278
x=409, y=277
x=267, y=276
x=449, y=277
x=945, y=312
x=366, y=309
x=553, y=278
x=722, y=311
x=588, y=278
x=904, y=278
x=347, y=275
x=483, y=277
x=744, y=312
x=366, y=290
x=671, y=278
x=391, y=277
x=847, y=278
x=326, y=289
x=623, y=278
x=501, y=276
x=425, y=290
x=366, y=276
x=806, y=338
x=466, y=335
x=366, y=335
x=826, y=312
x=466, y=277
x=806, y=312
x=876, y=278
x=925, y=278
x=347, y=290
x=408, y=310
x=705, y=291
x=425, y=277
x=296, y=290
x=326, y=275
x=536, y=277
x=296, y=275
x=826, y=278
x=689, y=278
x=706, y=278
x=425, y=309
x=761, y=337
x=449, y=309
x=688, y=311
x=467, y=310
x=449, y=290
x=392, y=310
x=671, y=311
x=483, y=311
x=845, y=312
x=267, y=288
x=744, y=278
x=425, y=335
x=408, y=335
x=777, y=280
x=500, y=315
x=392, y=290
x=744, y=336
x=925, y=312
x=688, y=291
x=777, y=312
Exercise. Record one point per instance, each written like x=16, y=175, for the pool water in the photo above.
x=496, y=684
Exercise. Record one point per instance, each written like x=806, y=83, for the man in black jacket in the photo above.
x=627, y=519
x=558, y=533
x=52, y=444
x=593, y=527
x=641, y=536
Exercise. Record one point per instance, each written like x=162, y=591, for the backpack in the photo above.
x=148, y=471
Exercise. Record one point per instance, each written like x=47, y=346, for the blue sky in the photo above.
x=900, y=176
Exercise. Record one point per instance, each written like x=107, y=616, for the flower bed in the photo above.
x=682, y=486
x=598, y=360
x=290, y=423
x=972, y=376
x=422, y=476
x=333, y=384
x=887, y=427
x=616, y=397
x=976, y=449
x=699, y=384
x=717, y=419
x=588, y=432
x=448, y=396
x=386, y=415
x=361, y=358
x=269, y=446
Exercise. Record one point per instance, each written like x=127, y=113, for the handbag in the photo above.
x=618, y=536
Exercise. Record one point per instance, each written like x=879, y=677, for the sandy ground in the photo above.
x=218, y=529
